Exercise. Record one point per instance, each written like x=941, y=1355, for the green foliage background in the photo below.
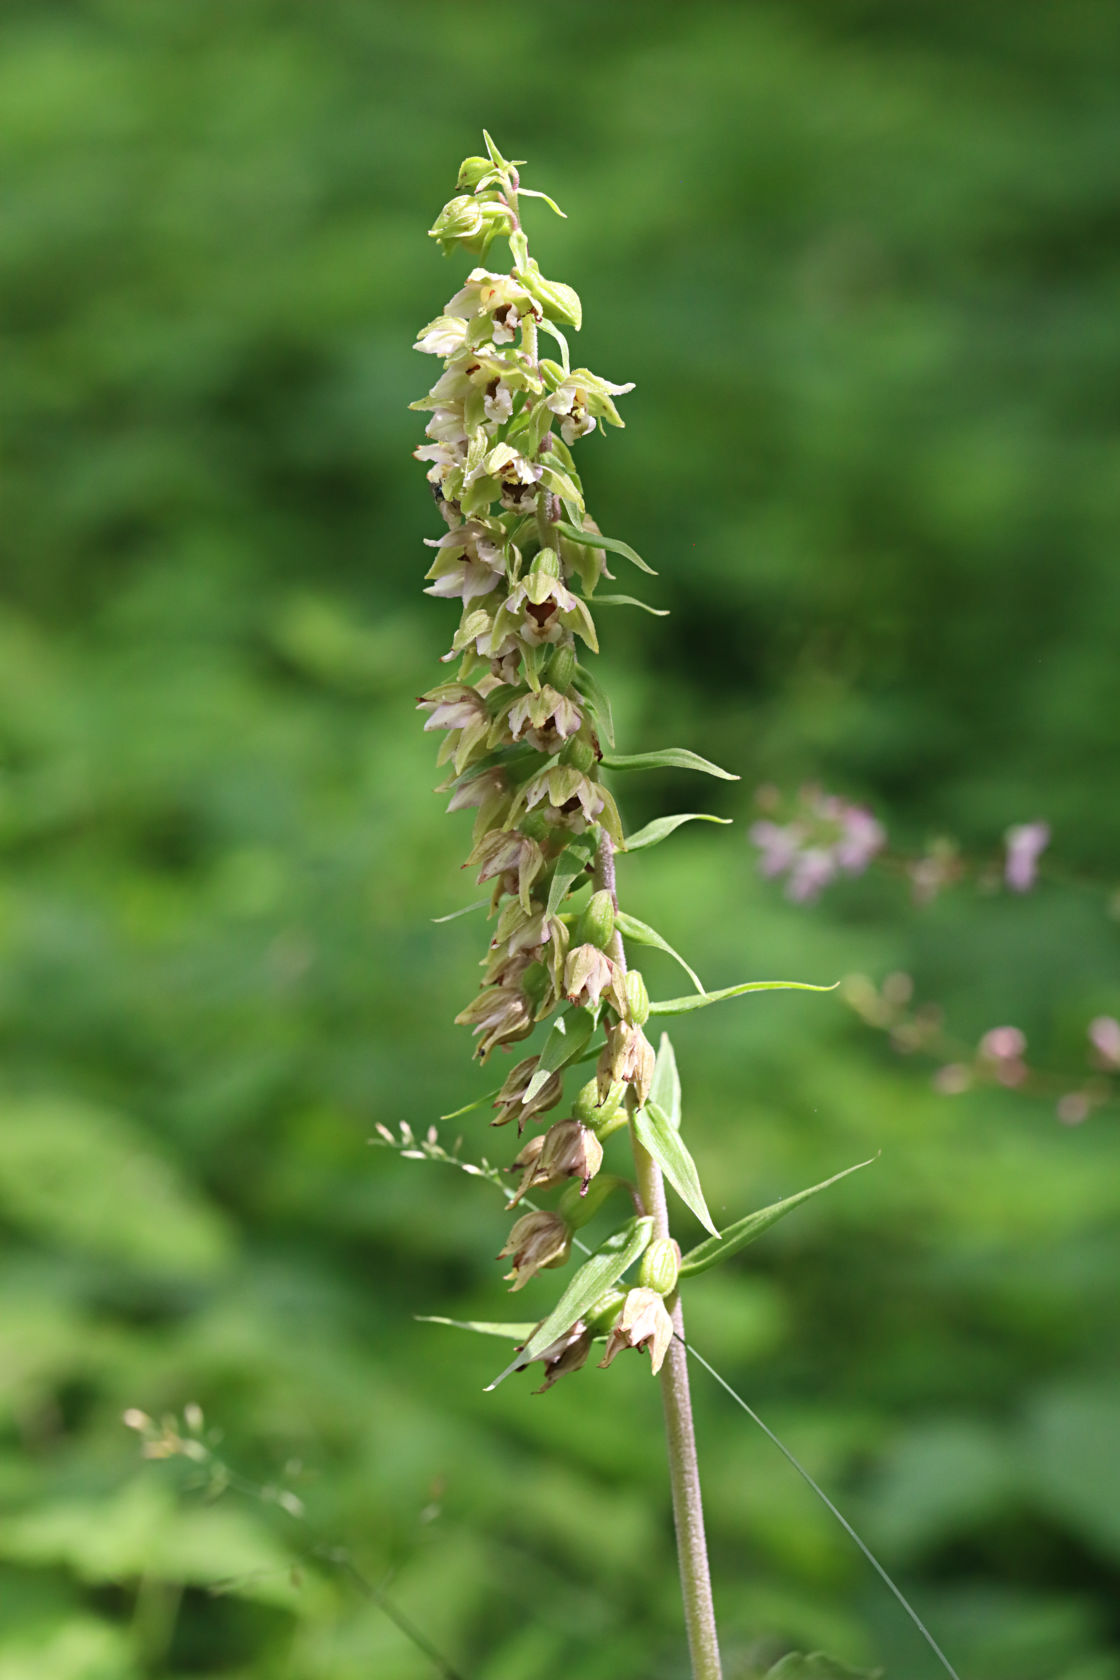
x=863, y=260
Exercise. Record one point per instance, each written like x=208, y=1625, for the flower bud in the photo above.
x=538, y=1241
x=472, y=170
x=596, y=925
x=562, y=668
x=637, y=998
x=470, y=222
x=536, y=825
x=660, y=1266
x=642, y=1322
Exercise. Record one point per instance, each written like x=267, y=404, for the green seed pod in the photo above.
x=535, y=983
x=536, y=825
x=577, y=1208
x=562, y=668
x=603, y=1314
x=580, y=754
x=637, y=997
x=660, y=1266
x=596, y=925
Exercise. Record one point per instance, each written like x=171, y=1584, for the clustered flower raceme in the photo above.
x=999, y=1057
x=825, y=837
x=519, y=726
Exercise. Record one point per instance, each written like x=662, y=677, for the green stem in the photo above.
x=680, y=1437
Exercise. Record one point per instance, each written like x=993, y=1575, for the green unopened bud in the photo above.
x=637, y=998
x=596, y=925
x=562, y=668
x=606, y=1116
x=472, y=170
x=470, y=222
x=579, y=753
x=661, y=1266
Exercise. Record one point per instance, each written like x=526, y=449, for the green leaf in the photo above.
x=744, y=1231
x=569, y=1034
x=653, y=1128
x=468, y=1108
x=682, y=1005
x=530, y=192
x=667, y=758
x=661, y=827
x=572, y=862
x=665, y=1089
x=515, y=1332
x=593, y=1279
x=630, y=601
x=642, y=934
x=478, y=904
x=595, y=539
x=819, y=1667
x=592, y=690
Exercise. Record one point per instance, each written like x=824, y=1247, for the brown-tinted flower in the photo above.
x=537, y=1241
x=643, y=1322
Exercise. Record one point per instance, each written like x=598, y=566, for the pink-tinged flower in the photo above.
x=1001, y=1050
x=777, y=845
x=1104, y=1036
x=810, y=873
x=567, y=1353
x=1025, y=845
x=538, y=1241
x=1073, y=1108
x=452, y=706
x=828, y=837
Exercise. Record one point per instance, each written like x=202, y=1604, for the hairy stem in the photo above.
x=680, y=1437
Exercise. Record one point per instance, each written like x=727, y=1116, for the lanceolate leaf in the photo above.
x=569, y=1034
x=642, y=934
x=819, y=1667
x=600, y=700
x=630, y=601
x=667, y=758
x=467, y=1108
x=682, y=1005
x=595, y=539
x=514, y=1332
x=593, y=1279
x=744, y=1231
x=571, y=863
x=653, y=1128
x=661, y=827
x=478, y=904
x=665, y=1089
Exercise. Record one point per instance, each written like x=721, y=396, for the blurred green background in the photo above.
x=863, y=261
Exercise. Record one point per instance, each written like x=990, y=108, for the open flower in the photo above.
x=643, y=1322
x=1025, y=845
x=538, y=1241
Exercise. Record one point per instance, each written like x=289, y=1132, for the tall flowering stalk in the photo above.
x=526, y=737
